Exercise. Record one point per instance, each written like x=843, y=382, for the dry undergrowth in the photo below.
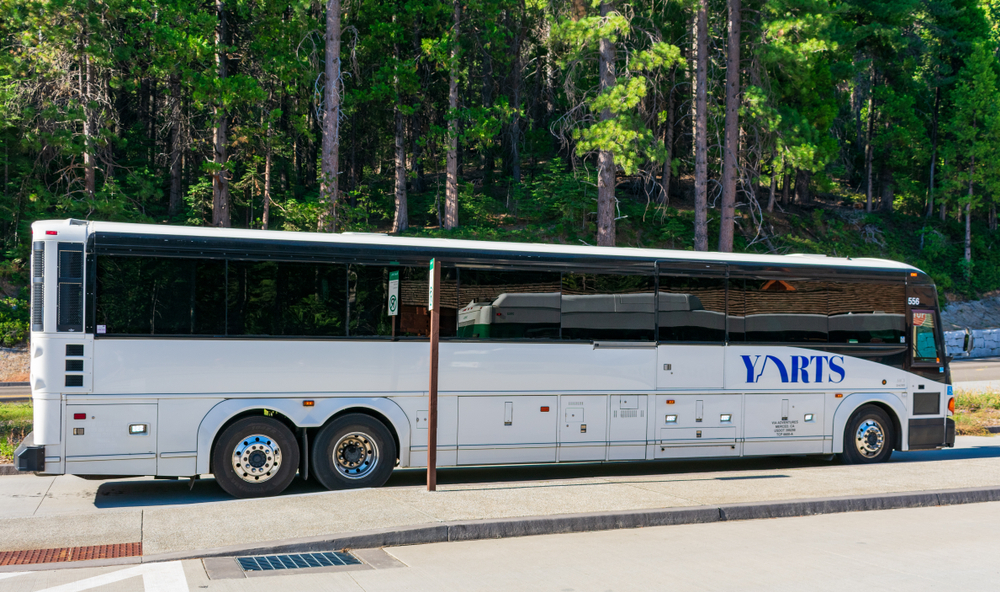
x=976, y=412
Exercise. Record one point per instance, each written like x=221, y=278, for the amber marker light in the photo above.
x=839, y=396
x=308, y=403
x=951, y=405
x=913, y=274
x=670, y=401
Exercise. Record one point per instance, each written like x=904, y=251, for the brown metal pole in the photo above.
x=432, y=391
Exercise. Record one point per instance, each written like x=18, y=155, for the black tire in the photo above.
x=869, y=437
x=353, y=451
x=265, y=445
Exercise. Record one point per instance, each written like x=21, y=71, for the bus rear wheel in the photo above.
x=869, y=437
x=352, y=452
x=255, y=457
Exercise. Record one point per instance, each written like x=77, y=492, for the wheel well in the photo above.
x=896, y=426
x=374, y=415
x=250, y=413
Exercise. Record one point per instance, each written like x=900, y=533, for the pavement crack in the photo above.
x=44, y=495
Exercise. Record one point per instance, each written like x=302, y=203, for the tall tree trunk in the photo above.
x=732, y=148
x=329, y=188
x=774, y=183
x=515, y=83
x=668, y=141
x=606, y=158
x=220, y=180
x=401, y=221
x=89, y=129
x=786, y=182
x=968, y=216
x=176, y=146
x=868, y=144
x=701, y=131
x=451, y=183
x=934, y=141
x=885, y=182
x=268, y=157
x=802, y=178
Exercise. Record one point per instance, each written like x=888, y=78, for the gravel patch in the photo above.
x=14, y=365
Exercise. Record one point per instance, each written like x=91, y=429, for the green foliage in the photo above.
x=15, y=423
x=15, y=317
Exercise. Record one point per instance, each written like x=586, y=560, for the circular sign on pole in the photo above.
x=392, y=304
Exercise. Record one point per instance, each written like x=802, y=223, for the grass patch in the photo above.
x=975, y=411
x=15, y=423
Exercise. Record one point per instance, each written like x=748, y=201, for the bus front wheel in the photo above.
x=869, y=436
x=353, y=451
x=255, y=457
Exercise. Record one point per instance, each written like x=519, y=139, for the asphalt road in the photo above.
x=887, y=550
x=978, y=370
x=15, y=394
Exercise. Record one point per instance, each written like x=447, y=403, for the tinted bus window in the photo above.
x=613, y=307
x=508, y=304
x=369, y=302
x=924, y=342
x=866, y=313
x=778, y=311
x=269, y=298
x=691, y=309
x=160, y=296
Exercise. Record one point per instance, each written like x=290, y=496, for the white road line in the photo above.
x=156, y=577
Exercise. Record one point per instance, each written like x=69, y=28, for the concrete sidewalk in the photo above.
x=170, y=520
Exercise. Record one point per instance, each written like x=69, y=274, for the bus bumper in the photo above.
x=29, y=457
x=932, y=433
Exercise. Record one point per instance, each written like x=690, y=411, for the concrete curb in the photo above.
x=8, y=470
x=567, y=523
x=560, y=524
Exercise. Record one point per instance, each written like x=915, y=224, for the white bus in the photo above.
x=256, y=356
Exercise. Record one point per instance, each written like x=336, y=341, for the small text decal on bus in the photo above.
x=800, y=369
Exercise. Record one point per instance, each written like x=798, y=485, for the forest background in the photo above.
x=842, y=127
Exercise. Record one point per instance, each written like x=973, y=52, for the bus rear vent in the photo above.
x=74, y=380
x=38, y=286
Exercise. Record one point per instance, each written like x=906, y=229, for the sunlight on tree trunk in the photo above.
x=329, y=187
x=701, y=131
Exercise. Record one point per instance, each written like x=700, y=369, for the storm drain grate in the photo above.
x=296, y=561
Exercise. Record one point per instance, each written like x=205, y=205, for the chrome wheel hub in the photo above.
x=355, y=455
x=870, y=438
x=256, y=458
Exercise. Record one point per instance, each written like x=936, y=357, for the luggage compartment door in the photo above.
x=111, y=439
x=507, y=429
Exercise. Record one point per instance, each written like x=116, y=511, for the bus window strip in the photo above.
x=531, y=268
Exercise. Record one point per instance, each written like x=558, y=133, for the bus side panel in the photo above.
x=177, y=440
x=168, y=366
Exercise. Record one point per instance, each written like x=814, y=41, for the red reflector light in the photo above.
x=51, y=232
x=545, y=409
x=79, y=416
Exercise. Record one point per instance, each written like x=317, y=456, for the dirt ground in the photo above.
x=14, y=365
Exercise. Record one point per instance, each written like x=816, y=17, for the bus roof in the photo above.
x=122, y=233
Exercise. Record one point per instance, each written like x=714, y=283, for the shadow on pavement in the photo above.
x=128, y=493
